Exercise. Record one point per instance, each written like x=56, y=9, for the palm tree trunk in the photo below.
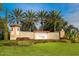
x=42, y=23
x=5, y=26
x=54, y=26
x=5, y=32
x=0, y=6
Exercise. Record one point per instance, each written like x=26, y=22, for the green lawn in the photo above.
x=42, y=49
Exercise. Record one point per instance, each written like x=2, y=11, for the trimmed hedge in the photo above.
x=22, y=38
x=7, y=43
x=15, y=42
x=27, y=42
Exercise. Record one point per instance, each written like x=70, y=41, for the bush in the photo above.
x=50, y=40
x=7, y=43
x=24, y=42
x=15, y=43
x=22, y=38
x=27, y=42
x=39, y=41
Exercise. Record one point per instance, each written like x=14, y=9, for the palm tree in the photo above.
x=61, y=24
x=1, y=29
x=4, y=22
x=0, y=16
x=30, y=14
x=1, y=24
x=0, y=6
x=54, y=21
x=55, y=16
x=71, y=33
x=48, y=25
x=6, y=25
x=41, y=17
x=16, y=16
x=30, y=19
x=27, y=25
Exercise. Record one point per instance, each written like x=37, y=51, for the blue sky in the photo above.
x=70, y=12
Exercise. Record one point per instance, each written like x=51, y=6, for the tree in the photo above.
x=6, y=25
x=71, y=33
x=30, y=15
x=41, y=17
x=0, y=6
x=16, y=16
x=1, y=22
x=61, y=24
x=55, y=17
x=28, y=23
x=1, y=29
x=0, y=16
x=54, y=21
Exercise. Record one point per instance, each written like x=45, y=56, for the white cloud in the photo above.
x=73, y=17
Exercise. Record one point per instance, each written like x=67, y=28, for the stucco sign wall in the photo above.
x=41, y=36
x=15, y=33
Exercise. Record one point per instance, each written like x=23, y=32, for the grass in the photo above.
x=42, y=49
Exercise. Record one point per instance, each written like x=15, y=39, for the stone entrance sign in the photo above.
x=41, y=36
x=16, y=33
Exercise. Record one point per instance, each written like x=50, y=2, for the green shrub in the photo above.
x=50, y=40
x=24, y=43
x=7, y=43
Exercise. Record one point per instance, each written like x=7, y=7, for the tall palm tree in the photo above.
x=54, y=21
x=41, y=17
x=1, y=24
x=4, y=22
x=28, y=25
x=6, y=25
x=30, y=19
x=55, y=16
x=61, y=24
x=0, y=16
x=0, y=6
x=16, y=16
x=30, y=14
x=1, y=29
